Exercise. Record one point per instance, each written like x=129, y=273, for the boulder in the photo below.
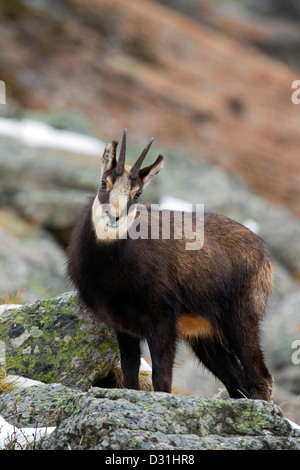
x=58, y=340
x=31, y=266
x=110, y=419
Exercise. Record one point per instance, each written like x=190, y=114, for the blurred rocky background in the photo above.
x=210, y=80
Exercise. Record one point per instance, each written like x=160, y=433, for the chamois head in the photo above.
x=114, y=207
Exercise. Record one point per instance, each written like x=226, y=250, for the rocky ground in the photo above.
x=110, y=419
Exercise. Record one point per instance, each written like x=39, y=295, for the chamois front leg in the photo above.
x=162, y=346
x=130, y=359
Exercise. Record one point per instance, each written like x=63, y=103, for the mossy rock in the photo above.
x=37, y=405
x=106, y=419
x=111, y=419
x=58, y=340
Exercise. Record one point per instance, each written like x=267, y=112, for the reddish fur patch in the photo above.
x=189, y=326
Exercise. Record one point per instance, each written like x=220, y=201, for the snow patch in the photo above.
x=252, y=225
x=294, y=425
x=144, y=366
x=20, y=437
x=40, y=134
x=5, y=307
x=174, y=204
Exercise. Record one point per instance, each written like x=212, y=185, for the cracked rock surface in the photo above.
x=114, y=419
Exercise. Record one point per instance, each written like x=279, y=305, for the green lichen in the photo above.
x=35, y=332
x=40, y=405
x=58, y=331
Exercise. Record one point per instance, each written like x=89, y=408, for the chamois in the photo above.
x=152, y=288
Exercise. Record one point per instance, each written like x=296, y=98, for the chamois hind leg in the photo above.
x=247, y=311
x=130, y=359
x=223, y=363
x=245, y=339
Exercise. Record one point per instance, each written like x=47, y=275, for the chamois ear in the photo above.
x=109, y=160
x=149, y=172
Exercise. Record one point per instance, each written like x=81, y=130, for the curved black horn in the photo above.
x=121, y=162
x=136, y=167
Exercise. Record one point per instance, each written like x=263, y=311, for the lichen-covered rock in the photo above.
x=37, y=405
x=58, y=340
x=114, y=419
x=110, y=419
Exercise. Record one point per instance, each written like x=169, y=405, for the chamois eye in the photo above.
x=137, y=195
x=103, y=184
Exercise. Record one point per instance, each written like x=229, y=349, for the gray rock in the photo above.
x=112, y=419
x=37, y=405
x=288, y=8
x=32, y=266
x=106, y=419
x=282, y=331
x=51, y=209
x=58, y=340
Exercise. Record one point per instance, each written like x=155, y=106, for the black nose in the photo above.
x=113, y=219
